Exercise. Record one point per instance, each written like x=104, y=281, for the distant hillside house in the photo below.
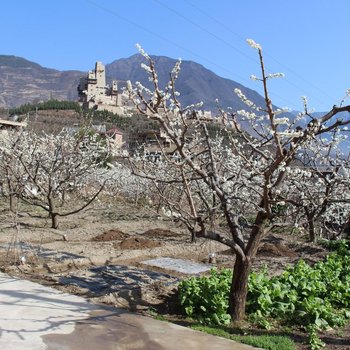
x=11, y=125
x=116, y=135
x=113, y=136
x=95, y=94
x=6, y=126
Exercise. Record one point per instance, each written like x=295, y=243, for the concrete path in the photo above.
x=35, y=317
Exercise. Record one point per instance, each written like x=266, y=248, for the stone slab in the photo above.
x=179, y=265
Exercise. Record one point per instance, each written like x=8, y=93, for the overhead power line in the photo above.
x=229, y=29
x=202, y=58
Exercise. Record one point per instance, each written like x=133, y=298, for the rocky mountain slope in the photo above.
x=23, y=81
x=195, y=82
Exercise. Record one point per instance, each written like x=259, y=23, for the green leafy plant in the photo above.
x=315, y=297
x=206, y=298
x=335, y=245
x=314, y=341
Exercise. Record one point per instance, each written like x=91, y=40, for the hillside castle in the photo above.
x=94, y=93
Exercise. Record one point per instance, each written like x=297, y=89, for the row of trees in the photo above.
x=231, y=187
x=47, y=105
x=63, y=173
x=92, y=115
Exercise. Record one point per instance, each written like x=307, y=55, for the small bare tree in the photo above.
x=235, y=177
x=47, y=170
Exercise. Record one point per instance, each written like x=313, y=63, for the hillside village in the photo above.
x=94, y=94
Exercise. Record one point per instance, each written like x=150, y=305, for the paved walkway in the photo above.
x=35, y=317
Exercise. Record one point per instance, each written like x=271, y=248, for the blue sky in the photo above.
x=307, y=40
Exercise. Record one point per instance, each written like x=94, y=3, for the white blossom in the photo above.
x=304, y=100
x=253, y=44
x=281, y=110
x=146, y=68
x=280, y=121
x=142, y=51
x=254, y=77
x=291, y=133
x=275, y=75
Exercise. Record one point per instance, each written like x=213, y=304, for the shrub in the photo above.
x=315, y=297
x=206, y=298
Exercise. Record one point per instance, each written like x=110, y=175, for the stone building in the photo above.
x=94, y=93
x=115, y=138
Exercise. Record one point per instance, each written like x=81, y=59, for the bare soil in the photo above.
x=104, y=247
x=110, y=235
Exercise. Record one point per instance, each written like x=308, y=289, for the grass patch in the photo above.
x=153, y=313
x=268, y=342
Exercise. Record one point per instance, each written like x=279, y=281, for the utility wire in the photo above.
x=159, y=36
x=229, y=45
x=223, y=25
x=208, y=32
x=234, y=48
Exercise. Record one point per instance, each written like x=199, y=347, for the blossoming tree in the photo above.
x=234, y=178
x=319, y=189
x=48, y=170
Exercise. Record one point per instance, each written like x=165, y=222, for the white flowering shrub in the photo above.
x=119, y=181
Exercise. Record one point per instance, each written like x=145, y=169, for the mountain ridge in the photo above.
x=23, y=81
x=195, y=82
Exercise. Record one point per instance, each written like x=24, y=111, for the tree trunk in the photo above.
x=12, y=203
x=239, y=288
x=11, y=196
x=311, y=226
x=54, y=220
x=242, y=268
x=53, y=214
x=193, y=236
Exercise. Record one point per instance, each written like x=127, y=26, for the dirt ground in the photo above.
x=99, y=253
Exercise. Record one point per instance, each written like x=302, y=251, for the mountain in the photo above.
x=195, y=83
x=23, y=81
